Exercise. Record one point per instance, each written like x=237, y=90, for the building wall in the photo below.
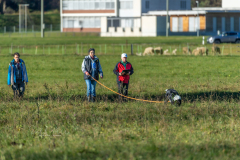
x=85, y=16
x=222, y=22
x=130, y=8
x=149, y=30
x=231, y=3
x=160, y=5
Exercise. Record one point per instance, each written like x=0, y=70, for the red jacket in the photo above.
x=119, y=68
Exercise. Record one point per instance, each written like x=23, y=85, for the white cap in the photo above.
x=124, y=55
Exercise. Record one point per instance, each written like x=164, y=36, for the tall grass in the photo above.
x=54, y=121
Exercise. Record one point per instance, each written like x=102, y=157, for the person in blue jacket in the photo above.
x=17, y=75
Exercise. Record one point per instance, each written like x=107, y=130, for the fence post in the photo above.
x=32, y=28
x=81, y=48
x=36, y=50
x=51, y=27
x=105, y=49
x=231, y=49
x=14, y=29
x=5, y=29
x=131, y=49
x=222, y=49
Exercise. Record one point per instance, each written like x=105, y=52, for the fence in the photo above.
x=31, y=28
x=110, y=49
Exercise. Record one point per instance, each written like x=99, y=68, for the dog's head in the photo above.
x=177, y=99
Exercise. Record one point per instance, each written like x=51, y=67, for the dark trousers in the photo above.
x=122, y=89
x=18, y=88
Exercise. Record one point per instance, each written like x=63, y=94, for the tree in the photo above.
x=207, y=3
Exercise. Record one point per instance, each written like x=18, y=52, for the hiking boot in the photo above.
x=93, y=99
x=88, y=99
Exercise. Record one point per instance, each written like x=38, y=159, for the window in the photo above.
x=65, y=5
x=81, y=22
x=126, y=5
x=96, y=5
x=232, y=34
x=70, y=23
x=147, y=4
x=108, y=5
x=183, y=5
x=112, y=5
x=88, y=5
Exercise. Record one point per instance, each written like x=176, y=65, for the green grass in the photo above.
x=54, y=121
x=57, y=38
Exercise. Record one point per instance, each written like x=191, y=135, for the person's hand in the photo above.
x=26, y=83
x=87, y=73
x=101, y=77
x=120, y=74
x=128, y=73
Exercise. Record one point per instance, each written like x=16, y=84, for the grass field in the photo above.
x=54, y=121
x=58, y=38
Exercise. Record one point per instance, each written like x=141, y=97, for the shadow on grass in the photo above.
x=133, y=150
x=187, y=97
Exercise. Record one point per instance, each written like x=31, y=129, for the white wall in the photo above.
x=149, y=30
x=231, y=3
x=134, y=12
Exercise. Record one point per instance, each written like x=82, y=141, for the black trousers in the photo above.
x=122, y=89
x=18, y=88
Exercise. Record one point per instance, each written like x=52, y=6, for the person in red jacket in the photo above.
x=123, y=70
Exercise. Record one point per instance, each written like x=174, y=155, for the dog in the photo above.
x=173, y=96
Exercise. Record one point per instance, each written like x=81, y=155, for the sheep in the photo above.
x=158, y=50
x=216, y=49
x=186, y=50
x=166, y=52
x=197, y=51
x=203, y=49
x=174, y=52
x=148, y=51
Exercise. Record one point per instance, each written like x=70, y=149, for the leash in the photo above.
x=123, y=95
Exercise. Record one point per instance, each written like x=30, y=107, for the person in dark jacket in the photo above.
x=17, y=75
x=91, y=66
x=123, y=76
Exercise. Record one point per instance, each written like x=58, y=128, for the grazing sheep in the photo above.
x=166, y=52
x=174, y=52
x=216, y=49
x=158, y=50
x=203, y=49
x=197, y=52
x=148, y=51
x=186, y=50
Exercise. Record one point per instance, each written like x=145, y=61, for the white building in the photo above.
x=115, y=16
x=231, y=4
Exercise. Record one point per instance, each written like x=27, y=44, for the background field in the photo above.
x=54, y=121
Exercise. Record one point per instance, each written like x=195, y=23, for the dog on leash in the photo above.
x=172, y=96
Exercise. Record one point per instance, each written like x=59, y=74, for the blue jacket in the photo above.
x=11, y=72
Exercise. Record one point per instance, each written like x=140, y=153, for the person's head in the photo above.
x=16, y=57
x=91, y=52
x=124, y=57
